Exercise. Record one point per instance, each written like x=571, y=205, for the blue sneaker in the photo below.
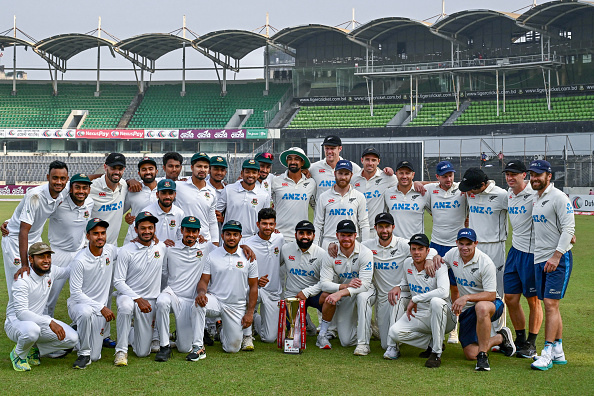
x=108, y=343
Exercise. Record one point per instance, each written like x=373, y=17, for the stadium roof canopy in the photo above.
x=9, y=41
x=293, y=36
x=383, y=27
x=553, y=14
x=233, y=43
x=143, y=50
x=455, y=26
x=58, y=49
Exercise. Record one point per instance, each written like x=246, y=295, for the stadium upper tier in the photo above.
x=433, y=114
x=203, y=106
x=310, y=117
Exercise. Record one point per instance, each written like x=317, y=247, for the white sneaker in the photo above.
x=453, y=338
x=391, y=353
x=331, y=334
x=543, y=362
x=362, y=350
x=121, y=359
x=558, y=356
x=247, y=344
x=155, y=347
x=323, y=342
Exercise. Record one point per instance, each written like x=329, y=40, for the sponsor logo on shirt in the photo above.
x=369, y=194
x=292, y=258
x=386, y=266
x=349, y=275
x=374, y=251
x=539, y=219
x=157, y=254
x=409, y=271
x=255, y=201
x=569, y=209
x=446, y=205
x=102, y=194
x=337, y=262
x=464, y=282
x=405, y=206
x=516, y=210
x=239, y=264
x=481, y=209
x=341, y=212
x=331, y=200
x=301, y=272
x=471, y=196
x=327, y=183
x=322, y=171
x=110, y=207
x=285, y=184
x=393, y=197
x=357, y=184
x=418, y=289
x=294, y=197
x=455, y=263
x=435, y=191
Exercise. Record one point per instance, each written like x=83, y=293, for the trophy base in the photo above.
x=289, y=348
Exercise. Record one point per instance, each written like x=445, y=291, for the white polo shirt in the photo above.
x=243, y=205
x=109, y=206
x=266, y=184
x=138, y=270
x=519, y=210
x=323, y=174
x=423, y=287
x=449, y=210
x=67, y=225
x=90, y=277
x=268, y=257
x=388, y=271
x=169, y=223
x=343, y=269
x=184, y=265
x=488, y=214
x=201, y=204
x=134, y=202
x=302, y=269
x=229, y=274
x=291, y=202
x=374, y=190
x=407, y=210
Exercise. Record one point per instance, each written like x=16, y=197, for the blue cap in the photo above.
x=540, y=166
x=166, y=184
x=344, y=164
x=444, y=167
x=467, y=233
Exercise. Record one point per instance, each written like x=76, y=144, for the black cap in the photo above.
x=515, y=167
x=370, y=150
x=147, y=160
x=419, y=239
x=384, y=218
x=305, y=225
x=115, y=159
x=472, y=179
x=145, y=216
x=332, y=140
x=405, y=164
x=346, y=226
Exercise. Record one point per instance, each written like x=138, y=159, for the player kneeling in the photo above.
x=428, y=314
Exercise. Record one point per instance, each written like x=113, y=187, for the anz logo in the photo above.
x=369, y=194
x=341, y=212
x=301, y=272
x=480, y=209
x=405, y=206
x=327, y=183
x=349, y=275
x=516, y=210
x=539, y=219
x=386, y=266
x=294, y=197
x=446, y=205
x=110, y=207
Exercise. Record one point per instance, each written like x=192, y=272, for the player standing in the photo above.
x=172, y=166
x=169, y=214
x=265, y=161
x=216, y=175
x=135, y=201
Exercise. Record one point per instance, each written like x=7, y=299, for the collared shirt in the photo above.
x=67, y=225
x=449, y=210
x=554, y=223
x=388, y=260
x=476, y=276
x=90, y=277
x=488, y=214
x=519, y=210
x=201, y=204
x=138, y=270
x=218, y=193
x=184, y=265
x=343, y=269
x=323, y=174
x=407, y=210
x=109, y=206
x=374, y=190
x=30, y=293
x=423, y=287
x=291, y=202
x=302, y=269
x=331, y=208
x=243, y=205
x=266, y=184
x=134, y=202
x=169, y=223
x=268, y=257
x=229, y=274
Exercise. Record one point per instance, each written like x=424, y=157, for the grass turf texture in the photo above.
x=268, y=370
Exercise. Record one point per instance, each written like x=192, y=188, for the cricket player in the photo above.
x=405, y=204
x=172, y=167
x=227, y=279
x=479, y=303
x=241, y=201
x=519, y=277
x=428, y=314
x=26, y=223
x=340, y=202
x=215, y=180
x=196, y=199
x=348, y=291
x=36, y=334
x=554, y=227
x=91, y=274
x=265, y=161
x=169, y=214
x=136, y=201
x=292, y=192
x=137, y=278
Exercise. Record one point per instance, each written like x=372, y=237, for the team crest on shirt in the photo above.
x=276, y=250
x=472, y=271
x=255, y=201
x=355, y=260
x=157, y=254
x=17, y=261
x=101, y=333
x=492, y=197
x=199, y=253
x=172, y=223
x=86, y=214
x=305, y=184
x=378, y=181
x=206, y=194
x=392, y=252
x=415, y=197
x=455, y=263
x=49, y=282
x=426, y=277
x=311, y=261
x=352, y=199
x=107, y=261
x=239, y=264
x=265, y=184
x=292, y=258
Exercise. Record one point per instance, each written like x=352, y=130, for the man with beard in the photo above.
x=169, y=214
x=217, y=173
x=135, y=201
x=26, y=224
x=292, y=192
x=172, y=166
x=90, y=290
x=242, y=200
x=227, y=279
x=25, y=322
x=340, y=202
x=137, y=278
x=197, y=199
x=264, y=177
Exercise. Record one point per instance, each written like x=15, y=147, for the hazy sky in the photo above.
x=124, y=18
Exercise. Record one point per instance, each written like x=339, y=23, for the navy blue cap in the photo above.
x=444, y=167
x=166, y=184
x=540, y=166
x=467, y=233
x=344, y=164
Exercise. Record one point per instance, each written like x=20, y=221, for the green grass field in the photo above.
x=268, y=371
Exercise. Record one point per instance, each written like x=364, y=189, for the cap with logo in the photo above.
x=419, y=239
x=444, y=167
x=467, y=233
x=346, y=226
x=370, y=151
x=405, y=164
x=115, y=159
x=298, y=151
x=166, y=184
x=266, y=158
x=472, y=179
x=218, y=161
x=540, y=166
x=190, y=222
x=332, y=140
x=250, y=164
x=146, y=216
x=39, y=248
x=384, y=218
x=147, y=160
x=305, y=225
x=94, y=222
x=515, y=167
x=344, y=164
x=200, y=157
x=80, y=178
x=232, y=225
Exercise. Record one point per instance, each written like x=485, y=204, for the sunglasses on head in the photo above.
x=268, y=156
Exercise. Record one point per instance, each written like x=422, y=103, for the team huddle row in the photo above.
x=207, y=251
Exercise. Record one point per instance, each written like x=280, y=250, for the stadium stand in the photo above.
x=203, y=106
x=433, y=114
x=355, y=116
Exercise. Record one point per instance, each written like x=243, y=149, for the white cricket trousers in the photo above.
x=496, y=251
x=266, y=323
x=141, y=335
x=388, y=314
x=10, y=252
x=231, y=315
x=186, y=320
x=90, y=327
x=60, y=258
x=427, y=324
x=26, y=333
x=353, y=318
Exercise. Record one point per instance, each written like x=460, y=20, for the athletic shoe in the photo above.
x=558, y=355
x=391, y=353
x=155, y=346
x=17, y=363
x=331, y=334
x=247, y=344
x=218, y=327
x=206, y=339
x=121, y=359
x=323, y=342
x=164, y=354
x=434, y=361
x=507, y=347
x=496, y=349
x=526, y=350
x=362, y=350
x=453, y=338
x=82, y=362
x=482, y=362
x=108, y=343
x=426, y=353
x=59, y=354
x=173, y=339
x=543, y=362
x=33, y=357
x=198, y=353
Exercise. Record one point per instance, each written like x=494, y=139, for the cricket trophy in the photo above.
x=291, y=325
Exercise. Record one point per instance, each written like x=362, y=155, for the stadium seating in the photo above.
x=312, y=117
x=433, y=114
x=572, y=108
x=203, y=106
x=35, y=107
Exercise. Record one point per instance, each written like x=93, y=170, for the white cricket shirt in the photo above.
x=488, y=214
x=268, y=257
x=302, y=269
x=201, y=204
x=323, y=174
x=183, y=267
x=519, y=210
x=291, y=202
x=343, y=269
x=67, y=225
x=243, y=205
x=138, y=270
x=134, y=202
x=423, y=287
x=374, y=190
x=109, y=206
x=169, y=223
x=407, y=210
x=449, y=210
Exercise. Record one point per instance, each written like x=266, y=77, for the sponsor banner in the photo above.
x=58, y=133
x=257, y=133
x=38, y=133
x=582, y=203
x=14, y=190
x=110, y=133
x=23, y=133
x=161, y=133
x=212, y=134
